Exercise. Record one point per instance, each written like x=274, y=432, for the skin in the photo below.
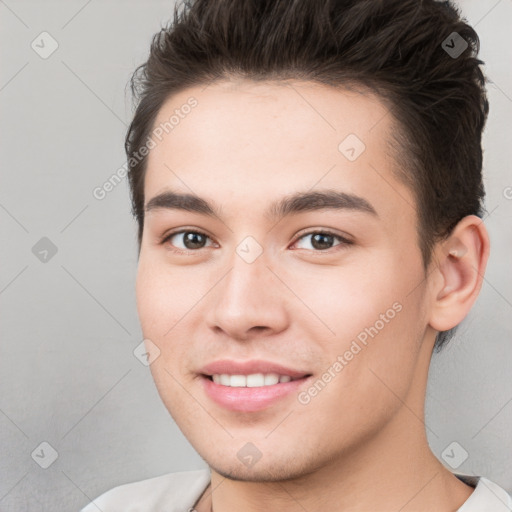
x=360, y=443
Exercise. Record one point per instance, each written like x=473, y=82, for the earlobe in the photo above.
x=461, y=261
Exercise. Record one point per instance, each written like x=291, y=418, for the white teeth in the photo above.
x=238, y=381
x=256, y=379
x=271, y=379
x=253, y=380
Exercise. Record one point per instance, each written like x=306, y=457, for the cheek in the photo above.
x=346, y=299
x=389, y=331
x=160, y=307
x=366, y=314
x=169, y=302
x=149, y=298
x=163, y=296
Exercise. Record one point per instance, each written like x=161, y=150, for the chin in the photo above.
x=255, y=475
x=263, y=471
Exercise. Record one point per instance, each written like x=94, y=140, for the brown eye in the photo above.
x=187, y=240
x=321, y=241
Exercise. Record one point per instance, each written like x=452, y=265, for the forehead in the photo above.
x=248, y=115
x=247, y=143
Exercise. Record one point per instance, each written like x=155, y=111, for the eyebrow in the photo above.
x=289, y=205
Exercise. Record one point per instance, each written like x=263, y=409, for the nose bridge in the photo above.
x=248, y=296
x=242, y=287
x=245, y=276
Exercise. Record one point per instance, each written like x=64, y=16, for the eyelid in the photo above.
x=168, y=234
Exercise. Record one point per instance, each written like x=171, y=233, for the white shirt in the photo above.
x=178, y=492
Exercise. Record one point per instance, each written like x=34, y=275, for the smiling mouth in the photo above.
x=252, y=380
x=251, y=392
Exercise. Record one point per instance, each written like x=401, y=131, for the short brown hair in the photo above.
x=398, y=49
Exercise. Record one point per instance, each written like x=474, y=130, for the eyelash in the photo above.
x=188, y=252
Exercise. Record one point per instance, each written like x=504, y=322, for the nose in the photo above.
x=249, y=301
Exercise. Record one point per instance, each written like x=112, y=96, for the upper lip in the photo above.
x=230, y=367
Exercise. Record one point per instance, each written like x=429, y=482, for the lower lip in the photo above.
x=244, y=399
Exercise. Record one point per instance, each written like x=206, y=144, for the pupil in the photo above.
x=194, y=240
x=322, y=241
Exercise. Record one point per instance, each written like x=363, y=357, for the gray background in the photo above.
x=68, y=375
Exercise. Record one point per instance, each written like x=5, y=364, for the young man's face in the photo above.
x=344, y=312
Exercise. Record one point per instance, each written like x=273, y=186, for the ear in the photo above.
x=459, y=266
